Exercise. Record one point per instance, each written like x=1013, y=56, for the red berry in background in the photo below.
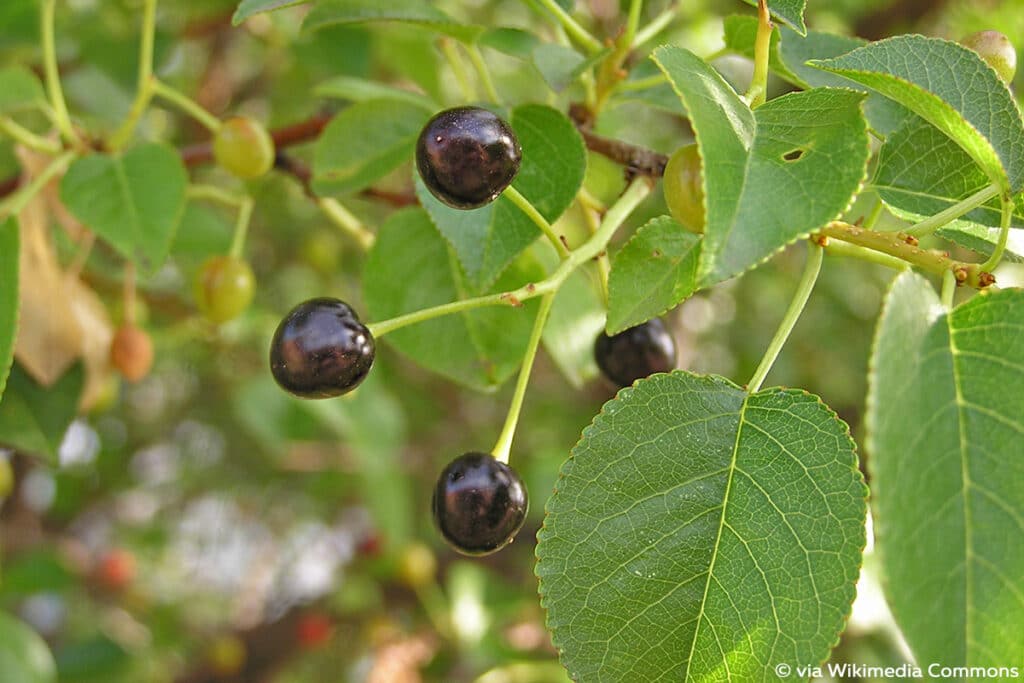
x=117, y=569
x=467, y=156
x=313, y=630
x=131, y=352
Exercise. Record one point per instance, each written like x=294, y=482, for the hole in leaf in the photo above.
x=793, y=155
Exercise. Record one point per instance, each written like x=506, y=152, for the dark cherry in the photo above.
x=479, y=504
x=467, y=156
x=634, y=353
x=321, y=350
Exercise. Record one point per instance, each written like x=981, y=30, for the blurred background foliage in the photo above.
x=202, y=526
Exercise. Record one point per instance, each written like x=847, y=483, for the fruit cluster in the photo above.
x=466, y=157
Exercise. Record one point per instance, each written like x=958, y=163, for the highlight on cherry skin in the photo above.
x=635, y=353
x=467, y=156
x=321, y=350
x=479, y=504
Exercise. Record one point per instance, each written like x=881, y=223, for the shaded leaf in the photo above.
x=789, y=11
x=577, y=316
x=250, y=8
x=134, y=201
x=33, y=419
x=952, y=88
x=652, y=273
x=360, y=90
x=410, y=268
x=24, y=656
x=365, y=142
x=20, y=89
x=945, y=423
x=336, y=12
x=699, y=533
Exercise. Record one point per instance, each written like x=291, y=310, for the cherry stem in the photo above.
x=24, y=136
x=796, y=307
x=503, y=447
x=762, y=47
x=17, y=202
x=187, y=105
x=242, y=228
x=53, y=87
x=1004, y=235
x=243, y=203
x=930, y=225
x=656, y=25
x=592, y=248
x=904, y=247
x=477, y=59
x=575, y=31
x=948, y=289
x=144, y=92
x=534, y=215
x=454, y=59
x=346, y=220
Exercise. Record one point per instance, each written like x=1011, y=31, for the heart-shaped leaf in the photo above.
x=770, y=175
x=952, y=88
x=699, y=533
x=134, y=201
x=945, y=426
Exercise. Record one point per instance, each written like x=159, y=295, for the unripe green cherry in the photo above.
x=683, y=185
x=243, y=148
x=996, y=49
x=224, y=288
x=6, y=477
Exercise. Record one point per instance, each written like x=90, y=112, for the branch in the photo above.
x=637, y=160
x=295, y=134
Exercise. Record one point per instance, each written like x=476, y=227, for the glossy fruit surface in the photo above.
x=224, y=288
x=996, y=49
x=635, y=353
x=467, y=156
x=131, y=353
x=479, y=504
x=243, y=148
x=321, y=350
x=683, y=186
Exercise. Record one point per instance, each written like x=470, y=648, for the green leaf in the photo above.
x=9, y=258
x=698, y=533
x=20, y=89
x=420, y=12
x=33, y=418
x=511, y=41
x=24, y=656
x=921, y=172
x=789, y=11
x=796, y=50
x=758, y=197
x=561, y=66
x=487, y=239
x=203, y=232
x=952, y=88
x=410, y=268
x=360, y=90
x=945, y=423
x=134, y=201
x=366, y=142
x=250, y=8
x=652, y=273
